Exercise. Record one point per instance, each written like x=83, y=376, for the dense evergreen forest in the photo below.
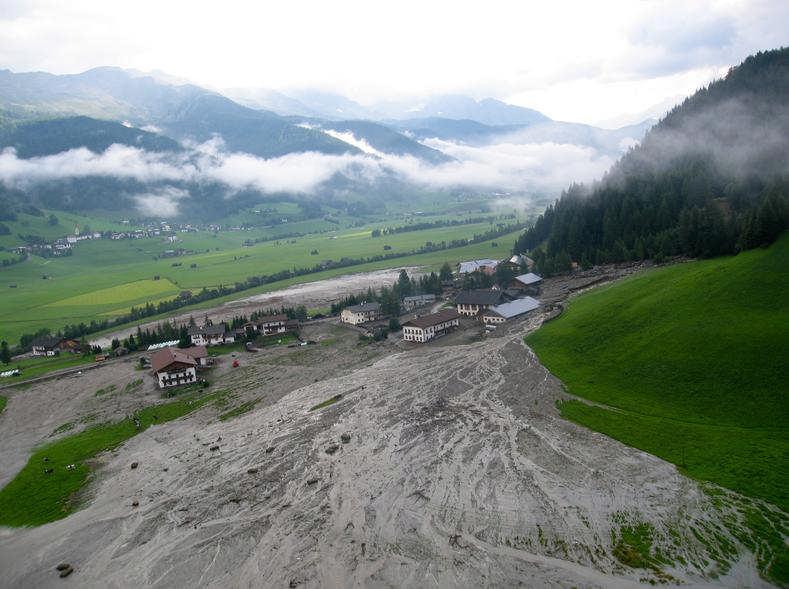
x=711, y=178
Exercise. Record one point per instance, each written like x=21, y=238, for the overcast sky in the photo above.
x=600, y=62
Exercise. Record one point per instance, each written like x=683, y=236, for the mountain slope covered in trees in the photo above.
x=711, y=178
x=48, y=137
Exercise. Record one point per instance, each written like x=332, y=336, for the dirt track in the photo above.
x=458, y=472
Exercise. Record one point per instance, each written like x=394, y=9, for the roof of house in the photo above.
x=167, y=356
x=433, y=319
x=196, y=352
x=474, y=265
x=46, y=341
x=163, y=358
x=364, y=307
x=273, y=319
x=422, y=297
x=219, y=329
x=527, y=279
x=514, y=308
x=480, y=296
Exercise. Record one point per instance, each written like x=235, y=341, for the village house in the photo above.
x=174, y=367
x=412, y=302
x=516, y=262
x=70, y=345
x=357, y=314
x=271, y=324
x=425, y=328
x=45, y=346
x=211, y=335
x=486, y=266
x=505, y=311
x=526, y=283
x=471, y=302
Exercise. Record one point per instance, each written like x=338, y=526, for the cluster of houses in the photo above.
x=491, y=306
x=220, y=334
x=48, y=345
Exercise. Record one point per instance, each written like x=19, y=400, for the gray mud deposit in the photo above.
x=458, y=471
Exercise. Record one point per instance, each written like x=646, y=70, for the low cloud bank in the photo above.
x=500, y=167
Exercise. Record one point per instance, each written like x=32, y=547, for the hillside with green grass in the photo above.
x=690, y=364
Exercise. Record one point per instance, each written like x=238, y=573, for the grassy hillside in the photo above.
x=692, y=361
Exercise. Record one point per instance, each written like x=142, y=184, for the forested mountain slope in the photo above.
x=711, y=178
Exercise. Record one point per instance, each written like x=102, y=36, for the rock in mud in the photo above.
x=345, y=438
x=67, y=571
x=252, y=471
x=332, y=449
x=269, y=450
x=134, y=465
x=214, y=448
x=62, y=566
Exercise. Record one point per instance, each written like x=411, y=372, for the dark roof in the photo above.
x=209, y=330
x=46, y=341
x=364, y=307
x=421, y=297
x=433, y=319
x=220, y=329
x=481, y=296
x=273, y=319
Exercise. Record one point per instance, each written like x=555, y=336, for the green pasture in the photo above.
x=105, y=277
x=46, y=489
x=689, y=363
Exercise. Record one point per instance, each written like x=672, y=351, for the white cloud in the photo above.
x=118, y=160
x=502, y=49
x=351, y=139
x=162, y=202
x=501, y=166
x=296, y=173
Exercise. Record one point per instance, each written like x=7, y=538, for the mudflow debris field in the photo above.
x=441, y=465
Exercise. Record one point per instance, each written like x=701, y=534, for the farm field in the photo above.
x=104, y=277
x=690, y=364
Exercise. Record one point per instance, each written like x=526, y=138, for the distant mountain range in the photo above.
x=43, y=114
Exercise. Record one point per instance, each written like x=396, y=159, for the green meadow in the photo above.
x=104, y=278
x=690, y=363
x=46, y=489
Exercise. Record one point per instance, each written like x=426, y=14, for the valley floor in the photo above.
x=457, y=470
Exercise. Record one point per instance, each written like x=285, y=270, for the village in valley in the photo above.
x=478, y=296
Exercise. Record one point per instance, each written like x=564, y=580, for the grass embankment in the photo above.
x=40, y=365
x=3, y=402
x=46, y=489
x=692, y=362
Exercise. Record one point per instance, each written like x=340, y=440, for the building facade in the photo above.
x=428, y=327
x=358, y=314
x=472, y=302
